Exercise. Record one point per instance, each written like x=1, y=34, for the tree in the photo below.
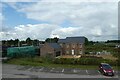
x=86, y=41
x=35, y=42
x=52, y=40
x=16, y=42
x=56, y=39
x=91, y=42
x=4, y=43
x=22, y=42
x=29, y=41
x=10, y=42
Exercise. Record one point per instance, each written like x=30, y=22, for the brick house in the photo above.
x=51, y=49
x=72, y=45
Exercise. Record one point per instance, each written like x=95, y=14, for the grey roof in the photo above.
x=72, y=40
x=62, y=40
x=54, y=45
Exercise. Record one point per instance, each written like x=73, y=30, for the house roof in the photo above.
x=72, y=40
x=54, y=45
x=62, y=40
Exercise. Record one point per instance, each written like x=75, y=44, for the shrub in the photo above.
x=83, y=61
x=65, y=61
x=38, y=59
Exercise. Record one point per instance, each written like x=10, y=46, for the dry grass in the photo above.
x=104, y=56
x=70, y=56
x=107, y=56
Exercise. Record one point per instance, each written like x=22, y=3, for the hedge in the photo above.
x=83, y=61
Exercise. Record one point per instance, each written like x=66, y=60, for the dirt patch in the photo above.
x=107, y=56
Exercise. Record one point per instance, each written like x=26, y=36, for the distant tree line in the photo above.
x=17, y=42
x=108, y=41
x=36, y=42
x=112, y=41
x=27, y=42
x=52, y=40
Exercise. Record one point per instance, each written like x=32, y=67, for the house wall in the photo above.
x=57, y=50
x=76, y=47
x=46, y=50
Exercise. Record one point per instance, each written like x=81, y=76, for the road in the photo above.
x=15, y=71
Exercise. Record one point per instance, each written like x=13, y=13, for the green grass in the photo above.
x=21, y=62
x=47, y=63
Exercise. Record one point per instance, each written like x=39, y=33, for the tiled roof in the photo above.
x=54, y=45
x=72, y=40
x=62, y=40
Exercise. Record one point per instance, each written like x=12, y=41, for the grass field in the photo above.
x=47, y=63
x=108, y=56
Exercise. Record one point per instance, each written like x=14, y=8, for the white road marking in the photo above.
x=30, y=68
x=74, y=71
x=87, y=71
x=63, y=70
x=52, y=69
x=41, y=69
x=99, y=73
x=19, y=67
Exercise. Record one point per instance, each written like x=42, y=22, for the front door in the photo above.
x=73, y=52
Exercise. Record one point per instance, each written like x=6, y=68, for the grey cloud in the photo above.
x=95, y=20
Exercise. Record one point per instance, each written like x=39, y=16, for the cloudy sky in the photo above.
x=42, y=19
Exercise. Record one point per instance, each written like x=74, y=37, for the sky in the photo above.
x=96, y=20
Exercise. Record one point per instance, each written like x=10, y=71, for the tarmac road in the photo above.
x=15, y=71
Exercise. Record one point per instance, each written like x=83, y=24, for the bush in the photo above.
x=83, y=61
x=118, y=62
x=89, y=61
x=65, y=61
x=38, y=59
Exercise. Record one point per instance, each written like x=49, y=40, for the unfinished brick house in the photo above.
x=51, y=49
x=72, y=45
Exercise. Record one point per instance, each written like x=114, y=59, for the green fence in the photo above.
x=28, y=51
